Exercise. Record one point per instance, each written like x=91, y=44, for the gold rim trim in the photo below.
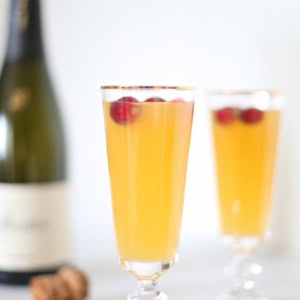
x=245, y=92
x=147, y=87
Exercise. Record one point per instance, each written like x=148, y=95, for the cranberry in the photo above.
x=124, y=110
x=178, y=100
x=155, y=99
x=251, y=115
x=225, y=115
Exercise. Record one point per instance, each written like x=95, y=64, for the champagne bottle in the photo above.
x=33, y=195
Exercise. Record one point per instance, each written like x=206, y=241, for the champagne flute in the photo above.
x=245, y=131
x=148, y=134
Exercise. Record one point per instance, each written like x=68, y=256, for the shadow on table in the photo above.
x=121, y=298
x=281, y=298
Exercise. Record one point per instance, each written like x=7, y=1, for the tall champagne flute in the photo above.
x=245, y=130
x=148, y=134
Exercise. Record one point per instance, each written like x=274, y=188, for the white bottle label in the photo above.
x=34, y=226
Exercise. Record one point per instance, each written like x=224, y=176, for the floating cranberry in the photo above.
x=251, y=115
x=155, y=99
x=178, y=100
x=124, y=110
x=225, y=115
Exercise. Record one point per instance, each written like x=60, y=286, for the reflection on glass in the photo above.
x=4, y=136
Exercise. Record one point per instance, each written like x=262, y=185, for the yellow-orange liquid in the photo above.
x=147, y=163
x=245, y=159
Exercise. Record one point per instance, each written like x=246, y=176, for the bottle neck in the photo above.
x=25, y=37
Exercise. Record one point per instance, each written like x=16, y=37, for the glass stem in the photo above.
x=241, y=271
x=147, y=289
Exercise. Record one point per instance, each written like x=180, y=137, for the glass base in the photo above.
x=157, y=296
x=240, y=295
x=147, y=270
x=147, y=274
x=242, y=245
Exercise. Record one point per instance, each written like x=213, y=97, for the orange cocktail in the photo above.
x=245, y=151
x=148, y=145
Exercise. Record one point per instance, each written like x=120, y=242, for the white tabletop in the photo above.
x=192, y=278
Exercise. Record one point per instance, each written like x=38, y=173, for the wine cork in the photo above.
x=49, y=287
x=77, y=282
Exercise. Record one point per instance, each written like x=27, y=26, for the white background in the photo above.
x=210, y=44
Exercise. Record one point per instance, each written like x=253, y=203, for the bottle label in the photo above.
x=34, y=226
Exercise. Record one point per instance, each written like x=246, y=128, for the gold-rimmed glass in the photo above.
x=148, y=134
x=245, y=126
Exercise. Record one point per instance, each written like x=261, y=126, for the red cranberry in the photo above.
x=251, y=115
x=124, y=110
x=178, y=100
x=225, y=115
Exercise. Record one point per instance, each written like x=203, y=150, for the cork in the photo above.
x=49, y=287
x=77, y=282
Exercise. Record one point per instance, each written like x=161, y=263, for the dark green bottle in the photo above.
x=34, y=223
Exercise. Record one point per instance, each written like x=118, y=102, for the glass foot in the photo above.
x=241, y=295
x=147, y=274
x=142, y=293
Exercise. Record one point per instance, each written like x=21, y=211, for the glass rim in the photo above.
x=148, y=87
x=245, y=92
